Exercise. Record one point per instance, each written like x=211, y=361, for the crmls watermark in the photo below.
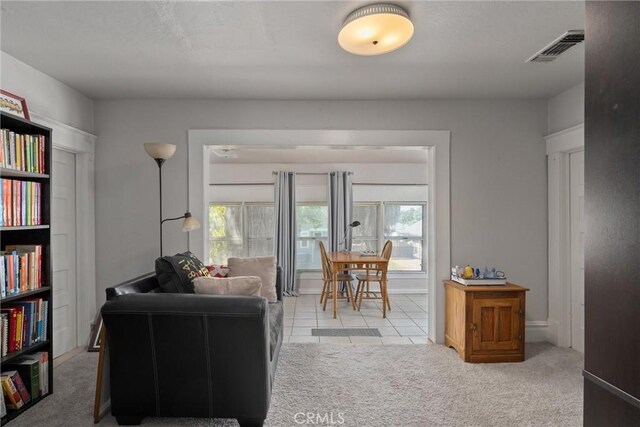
x=320, y=419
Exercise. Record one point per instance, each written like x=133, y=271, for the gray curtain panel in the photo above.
x=285, y=238
x=340, y=205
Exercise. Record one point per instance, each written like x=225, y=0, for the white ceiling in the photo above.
x=299, y=155
x=289, y=50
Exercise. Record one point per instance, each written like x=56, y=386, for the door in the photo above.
x=496, y=324
x=63, y=244
x=576, y=190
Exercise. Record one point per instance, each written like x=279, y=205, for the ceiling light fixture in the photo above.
x=375, y=29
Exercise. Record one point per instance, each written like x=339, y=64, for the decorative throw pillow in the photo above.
x=245, y=285
x=217, y=270
x=175, y=273
x=263, y=267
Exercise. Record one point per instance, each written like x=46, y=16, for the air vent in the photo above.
x=558, y=46
x=226, y=153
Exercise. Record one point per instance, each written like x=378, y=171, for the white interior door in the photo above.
x=63, y=244
x=576, y=182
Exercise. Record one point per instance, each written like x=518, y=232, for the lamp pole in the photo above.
x=160, y=162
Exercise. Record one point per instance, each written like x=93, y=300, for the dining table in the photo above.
x=351, y=260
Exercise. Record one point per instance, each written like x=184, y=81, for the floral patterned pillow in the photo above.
x=219, y=271
x=176, y=273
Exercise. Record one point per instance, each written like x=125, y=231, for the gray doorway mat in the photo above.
x=345, y=332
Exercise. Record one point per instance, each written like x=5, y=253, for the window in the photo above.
x=260, y=230
x=240, y=230
x=313, y=225
x=365, y=236
x=403, y=225
x=247, y=230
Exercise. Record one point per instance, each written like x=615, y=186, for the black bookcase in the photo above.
x=32, y=235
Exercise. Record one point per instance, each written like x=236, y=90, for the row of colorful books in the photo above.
x=20, y=202
x=22, y=152
x=25, y=379
x=20, y=269
x=24, y=323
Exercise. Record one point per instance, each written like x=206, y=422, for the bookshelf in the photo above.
x=32, y=235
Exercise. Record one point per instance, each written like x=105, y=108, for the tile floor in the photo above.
x=406, y=322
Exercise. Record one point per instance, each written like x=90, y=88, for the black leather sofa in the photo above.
x=188, y=355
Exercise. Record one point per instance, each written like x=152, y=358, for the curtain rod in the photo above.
x=355, y=183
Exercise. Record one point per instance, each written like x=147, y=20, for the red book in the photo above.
x=11, y=272
x=17, y=381
x=7, y=197
x=12, y=314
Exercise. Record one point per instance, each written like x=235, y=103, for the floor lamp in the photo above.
x=160, y=153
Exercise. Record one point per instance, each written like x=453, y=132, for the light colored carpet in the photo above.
x=373, y=385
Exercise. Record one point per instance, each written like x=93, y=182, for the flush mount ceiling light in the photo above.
x=375, y=29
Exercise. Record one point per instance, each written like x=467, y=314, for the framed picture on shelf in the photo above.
x=96, y=334
x=13, y=104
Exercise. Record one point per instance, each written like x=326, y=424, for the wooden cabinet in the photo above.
x=485, y=323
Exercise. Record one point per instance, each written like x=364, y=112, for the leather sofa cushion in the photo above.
x=263, y=267
x=243, y=285
x=176, y=273
x=276, y=319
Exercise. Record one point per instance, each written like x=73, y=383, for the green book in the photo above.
x=29, y=370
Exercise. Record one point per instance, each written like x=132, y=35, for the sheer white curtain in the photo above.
x=285, y=230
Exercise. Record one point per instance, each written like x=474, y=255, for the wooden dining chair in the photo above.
x=374, y=275
x=327, y=290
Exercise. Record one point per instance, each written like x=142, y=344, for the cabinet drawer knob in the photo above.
x=474, y=327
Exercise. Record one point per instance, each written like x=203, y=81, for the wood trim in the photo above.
x=559, y=146
x=439, y=195
x=565, y=141
x=82, y=144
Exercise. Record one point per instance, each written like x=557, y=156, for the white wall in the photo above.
x=498, y=174
x=566, y=109
x=45, y=95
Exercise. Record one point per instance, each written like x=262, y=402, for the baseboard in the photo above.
x=315, y=291
x=536, y=331
x=552, y=332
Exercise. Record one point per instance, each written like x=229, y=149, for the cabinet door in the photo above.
x=496, y=324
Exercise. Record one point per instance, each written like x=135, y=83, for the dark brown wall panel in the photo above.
x=612, y=207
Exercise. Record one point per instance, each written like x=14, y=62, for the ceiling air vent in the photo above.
x=226, y=153
x=558, y=46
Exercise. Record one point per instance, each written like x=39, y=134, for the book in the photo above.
x=3, y=279
x=45, y=319
x=12, y=317
x=34, y=263
x=22, y=389
x=29, y=313
x=29, y=370
x=19, y=327
x=11, y=394
x=20, y=202
x=3, y=407
x=5, y=334
x=43, y=359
